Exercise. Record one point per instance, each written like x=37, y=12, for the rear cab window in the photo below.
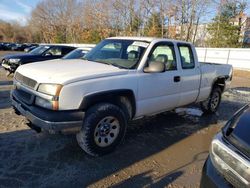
x=186, y=56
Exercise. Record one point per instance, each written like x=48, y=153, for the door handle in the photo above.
x=177, y=78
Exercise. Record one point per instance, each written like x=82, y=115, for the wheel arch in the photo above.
x=123, y=98
x=220, y=82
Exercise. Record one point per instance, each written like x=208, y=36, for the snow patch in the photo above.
x=189, y=111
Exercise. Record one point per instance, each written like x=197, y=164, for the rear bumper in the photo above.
x=48, y=119
x=211, y=177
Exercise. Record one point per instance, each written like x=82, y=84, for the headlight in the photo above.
x=231, y=165
x=14, y=60
x=50, y=89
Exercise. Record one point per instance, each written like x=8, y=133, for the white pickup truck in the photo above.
x=121, y=79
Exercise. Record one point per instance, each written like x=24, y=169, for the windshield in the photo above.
x=75, y=54
x=121, y=53
x=39, y=50
x=237, y=130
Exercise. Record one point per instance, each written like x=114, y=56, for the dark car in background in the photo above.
x=22, y=47
x=41, y=53
x=19, y=47
x=77, y=53
x=228, y=163
x=30, y=48
x=1, y=46
x=8, y=46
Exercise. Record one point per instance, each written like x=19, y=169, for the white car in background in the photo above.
x=77, y=53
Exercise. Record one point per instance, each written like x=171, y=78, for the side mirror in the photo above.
x=155, y=67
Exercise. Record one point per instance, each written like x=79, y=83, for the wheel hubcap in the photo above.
x=215, y=100
x=106, y=131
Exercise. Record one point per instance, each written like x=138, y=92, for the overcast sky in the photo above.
x=19, y=10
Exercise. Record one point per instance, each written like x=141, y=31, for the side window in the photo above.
x=133, y=53
x=164, y=53
x=66, y=50
x=187, y=58
x=55, y=51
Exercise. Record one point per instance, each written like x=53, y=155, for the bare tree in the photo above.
x=56, y=19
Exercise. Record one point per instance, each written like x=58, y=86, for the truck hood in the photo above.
x=68, y=71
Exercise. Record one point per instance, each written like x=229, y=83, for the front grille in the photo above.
x=25, y=80
x=24, y=96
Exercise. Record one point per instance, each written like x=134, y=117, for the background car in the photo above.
x=31, y=47
x=1, y=46
x=228, y=163
x=41, y=53
x=17, y=47
x=8, y=46
x=77, y=53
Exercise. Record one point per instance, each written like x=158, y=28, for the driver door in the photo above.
x=159, y=91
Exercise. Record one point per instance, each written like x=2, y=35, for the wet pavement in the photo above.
x=167, y=150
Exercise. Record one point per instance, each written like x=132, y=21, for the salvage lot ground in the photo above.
x=167, y=150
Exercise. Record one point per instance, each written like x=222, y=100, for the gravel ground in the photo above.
x=167, y=150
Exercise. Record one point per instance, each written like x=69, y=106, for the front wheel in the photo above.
x=211, y=105
x=104, y=127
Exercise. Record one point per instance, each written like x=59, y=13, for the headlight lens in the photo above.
x=14, y=60
x=50, y=89
x=232, y=166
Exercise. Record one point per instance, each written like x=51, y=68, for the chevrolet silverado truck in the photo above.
x=121, y=79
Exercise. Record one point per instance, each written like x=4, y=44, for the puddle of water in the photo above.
x=189, y=111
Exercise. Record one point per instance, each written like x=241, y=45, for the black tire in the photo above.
x=16, y=111
x=91, y=136
x=212, y=104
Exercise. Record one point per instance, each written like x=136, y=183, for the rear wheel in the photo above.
x=211, y=105
x=103, y=129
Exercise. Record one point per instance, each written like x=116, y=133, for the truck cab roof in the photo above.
x=148, y=39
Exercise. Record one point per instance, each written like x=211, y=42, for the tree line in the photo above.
x=89, y=21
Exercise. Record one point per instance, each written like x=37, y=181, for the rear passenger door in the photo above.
x=190, y=75
x=159, y=91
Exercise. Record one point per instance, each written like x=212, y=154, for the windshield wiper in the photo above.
x=107, y=63
x=119, y=66
x=115, y=65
